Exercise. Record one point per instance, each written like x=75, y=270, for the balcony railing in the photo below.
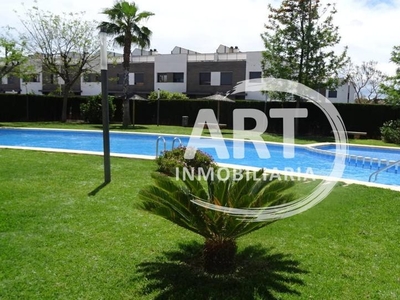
x=217, y=57
x=134, y=59
x=191, y=58
x=201, y=57
x=139, y=59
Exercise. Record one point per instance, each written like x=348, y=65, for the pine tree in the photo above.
x=299, y=41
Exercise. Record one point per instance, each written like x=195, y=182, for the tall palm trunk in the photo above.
x=126, y=120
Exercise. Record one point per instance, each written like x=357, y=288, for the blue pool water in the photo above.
x=305, y=159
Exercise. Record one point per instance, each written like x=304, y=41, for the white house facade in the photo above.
x=184, y=71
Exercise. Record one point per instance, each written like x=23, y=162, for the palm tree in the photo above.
x=173, y=200
x=125, y=27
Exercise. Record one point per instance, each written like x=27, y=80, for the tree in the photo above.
x=13, y=59
x=125, y=27
x=172, y=200
x=366, y=80
x=167, y=95
x=65, y=44
x=299, y=41
x=391, y=88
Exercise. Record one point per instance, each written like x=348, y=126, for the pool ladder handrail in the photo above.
x=160, y=138
x=176, y=139
x=383, y=169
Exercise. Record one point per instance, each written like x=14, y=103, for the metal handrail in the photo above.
x=176, y=139
x=160, y=138
x=383, y=169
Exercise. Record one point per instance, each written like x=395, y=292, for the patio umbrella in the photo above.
x=137, y=97
x=218, y=98
x=134, y=98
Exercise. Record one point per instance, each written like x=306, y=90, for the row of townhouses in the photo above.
x=185, y=71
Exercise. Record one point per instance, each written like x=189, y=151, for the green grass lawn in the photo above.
x=65, y=236
x=228, y=133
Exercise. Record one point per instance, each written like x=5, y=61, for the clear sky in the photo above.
x=370, y=28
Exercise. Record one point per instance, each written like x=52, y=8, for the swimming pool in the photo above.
x=317, y=159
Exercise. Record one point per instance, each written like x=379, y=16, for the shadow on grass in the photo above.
x=259, y=274
x=98, y=189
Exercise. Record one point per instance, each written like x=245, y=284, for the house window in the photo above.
x=205, y=78
x=332, y=94
x=32, y=78
x=11, y=80
x=177, y=77
x=162, y=77
x=139, y=78
x=226, y=78
x=91, y=77
x=49, y=78
x=254, y=75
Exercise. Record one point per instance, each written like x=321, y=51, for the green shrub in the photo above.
x=92, y=112
x=390, y=131
x=170, y=160
x=166, y=95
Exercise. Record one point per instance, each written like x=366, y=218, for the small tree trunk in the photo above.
x=64, y=106
x=219, y=255
x=133, y=112
x=296, y=120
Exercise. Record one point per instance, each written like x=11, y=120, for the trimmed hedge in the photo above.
x=357, y=117
x=17, y=108
x=92, y=109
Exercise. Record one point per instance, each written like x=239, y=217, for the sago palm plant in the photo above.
x=172, y=200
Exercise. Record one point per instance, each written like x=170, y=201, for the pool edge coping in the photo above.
x=152, y=157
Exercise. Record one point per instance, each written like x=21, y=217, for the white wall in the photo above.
x=131, y=79
x=171, y=63
x=60, y=80
x=31, y=88
x=253, y=64
x=173, y=87
x=90, y=88
x=215, y=78
x=345, y=93
x=94, y=88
